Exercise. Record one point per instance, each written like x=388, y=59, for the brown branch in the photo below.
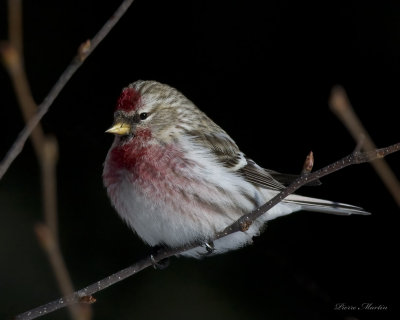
x=341, y=106
x=15, y=29
x=46, y=149
x=84, y=51
x=51, y=247
x=242, y=224
x=12, y=60
x=48, y=166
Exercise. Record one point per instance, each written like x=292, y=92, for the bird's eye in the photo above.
x=143, y=115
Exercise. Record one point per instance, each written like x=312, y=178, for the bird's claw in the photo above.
x=160, y=265
x=209, y=247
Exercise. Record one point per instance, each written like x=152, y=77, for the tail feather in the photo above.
x=324, y=206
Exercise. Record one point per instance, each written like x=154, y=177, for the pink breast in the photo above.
x=152, y=167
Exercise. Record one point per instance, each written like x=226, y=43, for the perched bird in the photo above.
x=176, y=177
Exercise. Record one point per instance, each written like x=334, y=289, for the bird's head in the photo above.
x=151, y=110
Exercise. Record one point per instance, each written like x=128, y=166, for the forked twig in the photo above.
x=45, y=146
x=84, y=51
x=46, y=149
x=85, y=295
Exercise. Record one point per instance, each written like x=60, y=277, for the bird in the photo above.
x=176, y=177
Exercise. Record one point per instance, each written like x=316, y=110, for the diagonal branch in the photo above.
x=85, y=295
x=84, y=51
x=340, y=105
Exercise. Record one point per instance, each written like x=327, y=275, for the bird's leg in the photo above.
x=160, y=265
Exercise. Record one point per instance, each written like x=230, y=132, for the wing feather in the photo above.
x=260, y=177
x=228, y=154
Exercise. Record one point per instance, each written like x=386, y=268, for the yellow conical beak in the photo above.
x=120, y=129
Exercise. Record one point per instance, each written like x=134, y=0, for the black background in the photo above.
x=263, y=71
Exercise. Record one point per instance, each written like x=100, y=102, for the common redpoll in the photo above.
x=176, y=177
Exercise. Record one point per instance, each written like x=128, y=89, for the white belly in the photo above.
x=168, y=220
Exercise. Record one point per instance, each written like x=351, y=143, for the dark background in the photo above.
x=263, y=71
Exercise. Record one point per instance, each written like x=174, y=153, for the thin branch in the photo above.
x=341, y=106
x=51, y=247
x=15, y=29
x=48, y=166
x=85, y=295
x=46, y=149
x=84, y=51
x=13, y=61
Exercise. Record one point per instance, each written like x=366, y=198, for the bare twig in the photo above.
x=12, y=59
x=48, y=163
x=46, y=149
x=51, y=247
x=83, y=52
x=15, y=30
x=240, y=225
x=353, y=158
x=341, y=106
